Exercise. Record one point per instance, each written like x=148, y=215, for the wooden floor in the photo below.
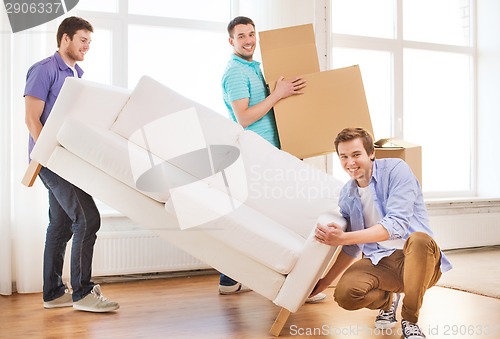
x=191, y=307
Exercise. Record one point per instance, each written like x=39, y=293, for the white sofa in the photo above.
x=220, y=193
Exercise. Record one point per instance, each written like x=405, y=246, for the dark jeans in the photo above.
x=72, y=213
x=224, y=280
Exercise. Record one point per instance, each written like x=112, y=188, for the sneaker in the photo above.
x=64, y=300
x=316, y=298
x=411, y=330
x=95, y=302
x=233, y=289
x=387, y=319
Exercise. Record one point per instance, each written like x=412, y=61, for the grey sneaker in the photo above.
x=64, y=300
x=411, y=330
x=387, y=319
x=233, y=289
x=316, y=298
x=95, y=302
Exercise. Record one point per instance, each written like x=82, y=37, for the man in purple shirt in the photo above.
x=388, y=224
x=72, y=212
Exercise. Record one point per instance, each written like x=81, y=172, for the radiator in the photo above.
x=123, y=248
x=465, y=224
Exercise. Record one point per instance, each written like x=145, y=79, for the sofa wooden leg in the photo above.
x=280, y=322
x=31, y=173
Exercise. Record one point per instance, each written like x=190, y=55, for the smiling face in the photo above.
x=243, y=41
x=73, y=50
x=356, y=161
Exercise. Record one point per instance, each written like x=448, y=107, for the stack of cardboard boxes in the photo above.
x=332, y=100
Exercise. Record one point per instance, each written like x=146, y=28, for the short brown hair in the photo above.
x=239, y=20
x=348, y=134
x=70, y=26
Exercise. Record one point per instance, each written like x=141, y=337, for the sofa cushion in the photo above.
x=259, y=237
x=109, y=152
x=169, y=124
x=242, y=228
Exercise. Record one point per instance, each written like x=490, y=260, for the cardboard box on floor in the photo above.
x=395, y=148
x=332, y=100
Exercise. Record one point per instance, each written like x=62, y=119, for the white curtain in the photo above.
x=5, y=215
x=23, y=211
x=5, y=168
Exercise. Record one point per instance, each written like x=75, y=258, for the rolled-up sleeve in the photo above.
x=399, y=207
x=351, y=250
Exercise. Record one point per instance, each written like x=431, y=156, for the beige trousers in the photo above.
x=412, y=271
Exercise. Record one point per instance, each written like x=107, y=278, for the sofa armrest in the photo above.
x=310, y=267
x=94, y=103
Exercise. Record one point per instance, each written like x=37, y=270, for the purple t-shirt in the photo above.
x=44, y=81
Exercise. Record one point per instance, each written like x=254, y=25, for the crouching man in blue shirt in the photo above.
x=388, y=224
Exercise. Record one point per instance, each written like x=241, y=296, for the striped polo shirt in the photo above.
x=244, y=79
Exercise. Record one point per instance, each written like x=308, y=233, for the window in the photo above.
x=215, y=11
x=417, y=62
x=180, y=44
x=190, y=61
x=417, y=59
x=108, y=6
x=98, y=63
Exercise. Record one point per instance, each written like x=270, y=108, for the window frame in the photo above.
x=396, y=47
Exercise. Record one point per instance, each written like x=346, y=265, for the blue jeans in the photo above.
x=224, y=280
x=72, y=213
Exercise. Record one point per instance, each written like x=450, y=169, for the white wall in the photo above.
x=277, y=13
x=488, y=72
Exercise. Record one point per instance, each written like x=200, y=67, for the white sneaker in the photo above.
x=387, y=319
x=316, y=298
x=233, y=289
x=95, y=302
x=64, y=300
x=411, y=330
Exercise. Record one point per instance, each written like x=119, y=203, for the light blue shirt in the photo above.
x=398, y=197
x=243, y=79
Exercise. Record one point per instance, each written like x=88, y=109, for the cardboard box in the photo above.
x=332, y=100
x=289, y=52
x=395, y=148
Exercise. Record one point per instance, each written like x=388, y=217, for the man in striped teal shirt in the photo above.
x=244, y=88
x=249, y=103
